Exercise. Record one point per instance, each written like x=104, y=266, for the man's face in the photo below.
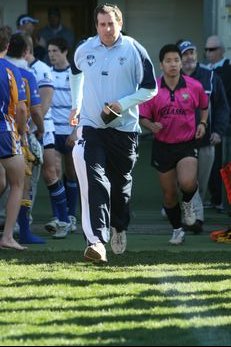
x=28, y=28
x=54, y=20
x=213, y=51
x=171, y=65
x=57, y=58
x=108, y=28
x=189, y=60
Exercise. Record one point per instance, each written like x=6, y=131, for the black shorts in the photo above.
x=165, y=156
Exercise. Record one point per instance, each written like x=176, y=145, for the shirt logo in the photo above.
x=90, y=59
x=185, y=96
x=122, y=60
x=171, y=110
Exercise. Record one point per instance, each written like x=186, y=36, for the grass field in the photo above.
x=154, y=294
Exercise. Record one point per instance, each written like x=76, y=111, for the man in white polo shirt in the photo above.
x=117, y=75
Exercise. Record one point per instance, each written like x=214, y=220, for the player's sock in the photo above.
x=25, y=234
x=58, y=198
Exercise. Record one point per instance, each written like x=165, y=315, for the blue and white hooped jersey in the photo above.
x=43, y=77
x=61, y=101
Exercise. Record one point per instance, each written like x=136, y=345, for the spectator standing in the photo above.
x=218, y=120
x=55, y=28
x=215, y=55
x=26, y=23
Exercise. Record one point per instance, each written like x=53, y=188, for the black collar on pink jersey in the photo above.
x=181, y=83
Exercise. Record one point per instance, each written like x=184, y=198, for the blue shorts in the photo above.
x=9, y=144
x=60, y=144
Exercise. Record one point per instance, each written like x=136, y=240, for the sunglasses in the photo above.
x=212, y=49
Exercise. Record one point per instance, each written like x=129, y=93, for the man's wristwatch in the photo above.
x=203, y=122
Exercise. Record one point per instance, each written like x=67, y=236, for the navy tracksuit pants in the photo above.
x=104, y=160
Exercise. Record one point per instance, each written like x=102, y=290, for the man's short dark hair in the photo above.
x=17, y=46
x=169, y=48
x=107, y=8
x=4, y=37
x=60, y=42
x=54, y=11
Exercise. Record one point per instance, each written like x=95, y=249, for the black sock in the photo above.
x=174, y=216
x=188, y=196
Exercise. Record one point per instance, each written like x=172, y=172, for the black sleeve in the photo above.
x=149, y=78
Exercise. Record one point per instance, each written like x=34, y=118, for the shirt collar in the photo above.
x=181, y=83
x=217, y=64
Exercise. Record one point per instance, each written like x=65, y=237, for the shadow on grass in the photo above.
x=140, y=336
x=29, y=257
x=135, y=309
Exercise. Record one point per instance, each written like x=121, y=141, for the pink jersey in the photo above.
x=175, y=110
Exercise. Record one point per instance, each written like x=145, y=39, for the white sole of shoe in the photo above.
x=117, y=251
x=177, y=244
x=92, y=255
x=59, y=236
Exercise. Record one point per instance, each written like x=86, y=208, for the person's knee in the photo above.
x=49, y=176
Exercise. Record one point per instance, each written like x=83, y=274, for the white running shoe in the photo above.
x=178, y=237
x=62, y=231
x=52, y=225
x=73, y=222
x=189, y=213
x=118, y=241
x=96, y=253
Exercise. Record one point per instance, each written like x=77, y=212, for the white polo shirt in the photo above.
x=113, y=74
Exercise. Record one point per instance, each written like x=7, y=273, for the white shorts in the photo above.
x=49, y=139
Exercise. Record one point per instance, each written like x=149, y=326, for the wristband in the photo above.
x=203, y=123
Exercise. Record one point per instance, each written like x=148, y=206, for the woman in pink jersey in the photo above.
x=171, y=118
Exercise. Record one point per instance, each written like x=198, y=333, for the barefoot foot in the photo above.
x=11, y=244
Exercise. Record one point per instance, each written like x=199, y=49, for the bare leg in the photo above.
x=4, y=190
x=15, y=172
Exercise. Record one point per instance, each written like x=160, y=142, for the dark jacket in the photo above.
x=219, y=110
x=225, y=74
